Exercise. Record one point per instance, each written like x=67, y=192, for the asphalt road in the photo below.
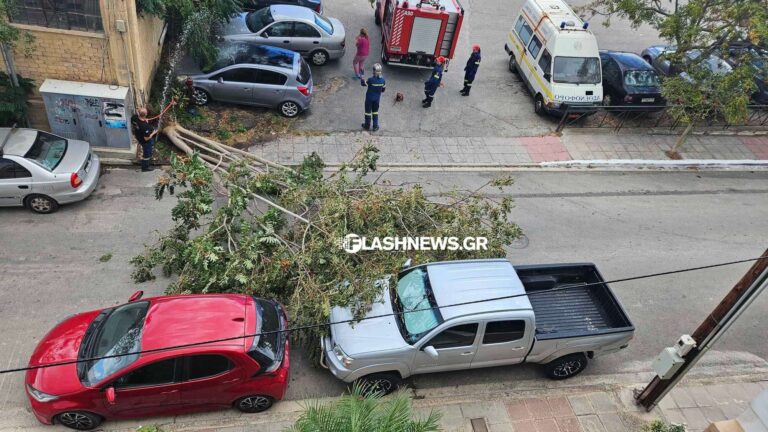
x=627, y=223
x=499, y=105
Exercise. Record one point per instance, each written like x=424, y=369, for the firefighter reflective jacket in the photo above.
x=435, y=77
x=472, y=65
x=376, y=86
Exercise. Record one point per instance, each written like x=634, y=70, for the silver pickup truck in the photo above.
x=461, y=315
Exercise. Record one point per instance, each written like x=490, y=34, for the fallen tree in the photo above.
x=243, y=224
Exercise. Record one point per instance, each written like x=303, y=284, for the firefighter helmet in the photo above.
x=440, y=60
x=476, y=48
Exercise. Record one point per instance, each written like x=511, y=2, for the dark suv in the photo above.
x=630, y=81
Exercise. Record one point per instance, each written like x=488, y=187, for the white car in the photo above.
x=40, y=170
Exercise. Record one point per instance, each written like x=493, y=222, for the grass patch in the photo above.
x=106, y=257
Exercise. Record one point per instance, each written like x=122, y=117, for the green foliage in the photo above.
x=660, y=426
x=105, y=258
x=223, y=134
x=193, y=23
x=709, y=26
x=363, y=411
x=149, y=429
x=13, y=100
x=241, y=246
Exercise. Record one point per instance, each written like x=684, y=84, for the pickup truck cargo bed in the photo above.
x=580, y=310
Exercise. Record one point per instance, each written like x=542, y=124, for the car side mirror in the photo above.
x=110, y=394
x=547, y=76
x=137, y=295
x=264, y=35
x=407, y=264
x=431, y=351
x=220, y=80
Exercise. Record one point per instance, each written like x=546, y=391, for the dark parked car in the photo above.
x=630, y=81
x=254, y=5
x=758, y=58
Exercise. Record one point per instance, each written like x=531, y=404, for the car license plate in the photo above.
x=646, y=100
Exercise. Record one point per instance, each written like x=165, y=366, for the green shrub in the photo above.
x=660, y=426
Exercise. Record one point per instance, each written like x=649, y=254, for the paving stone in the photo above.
x=518, y=410
x=560, y=407
x=612, y=422
x=581, y=405
x=694, y=418
x=546, y=425
x=667, y=403
x=494, y=412
x=733, y=409
x=524, y=426
x=591, y=423
x=568, y=424
x=603, y=402
x=500, y=427
x=627, y=400
x=701, y=396
x=682, y=398
x=674, y=416
x=539, y=408
x=713, y=414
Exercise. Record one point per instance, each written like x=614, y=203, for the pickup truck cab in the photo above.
x=459, y=315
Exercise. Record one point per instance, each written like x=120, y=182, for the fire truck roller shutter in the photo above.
x=424, y=35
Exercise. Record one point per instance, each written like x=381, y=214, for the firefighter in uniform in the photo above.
x=376, y=86
x=431, y=85
x=471, y=69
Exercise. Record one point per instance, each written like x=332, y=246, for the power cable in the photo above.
x=314, y=326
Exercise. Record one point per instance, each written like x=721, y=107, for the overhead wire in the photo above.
x=398, y=313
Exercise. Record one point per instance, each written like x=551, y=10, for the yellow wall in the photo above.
x=65, y=55
x=104, y=58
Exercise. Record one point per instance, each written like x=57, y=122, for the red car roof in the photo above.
x=189, y=319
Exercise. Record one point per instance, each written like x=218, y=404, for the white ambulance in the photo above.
x=556, y=56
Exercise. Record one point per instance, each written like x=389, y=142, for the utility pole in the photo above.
x=722, y=317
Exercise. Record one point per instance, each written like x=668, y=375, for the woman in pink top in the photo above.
x=363, y=45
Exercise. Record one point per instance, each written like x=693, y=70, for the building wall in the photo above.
x=66, y=55
x=110, y=57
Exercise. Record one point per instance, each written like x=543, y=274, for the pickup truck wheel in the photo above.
x=566, y=367
x=384, y=383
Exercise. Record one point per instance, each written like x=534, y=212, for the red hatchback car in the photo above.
x=247, y=373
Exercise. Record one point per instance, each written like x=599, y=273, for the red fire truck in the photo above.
x=415, y=32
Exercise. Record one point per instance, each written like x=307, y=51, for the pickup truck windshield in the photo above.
x=577, y=70
x=414, y=294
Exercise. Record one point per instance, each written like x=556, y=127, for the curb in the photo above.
x=592, y=165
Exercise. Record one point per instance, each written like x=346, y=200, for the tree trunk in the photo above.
x=681, y=139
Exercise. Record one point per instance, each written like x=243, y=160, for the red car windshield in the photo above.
x=115, y=331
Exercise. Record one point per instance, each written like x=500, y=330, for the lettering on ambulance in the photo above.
x=521, y=54
x=576, y=98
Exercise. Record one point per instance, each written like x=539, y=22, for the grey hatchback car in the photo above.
x=257, y=75
x=296, y=28
x=40, y=170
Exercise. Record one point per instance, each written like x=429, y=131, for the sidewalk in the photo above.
x=573, y=145
x=560, y=408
